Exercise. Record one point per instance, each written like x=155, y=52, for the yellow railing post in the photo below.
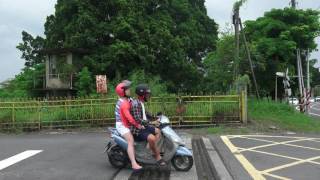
x=66, y=110
x=13, y=117
x=244, y=116
x=39, y=115
x=91, y=111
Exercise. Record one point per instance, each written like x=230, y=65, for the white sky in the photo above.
x=30, y=15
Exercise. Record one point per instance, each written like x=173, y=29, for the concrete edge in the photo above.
x=233, y=166
x=220, y=169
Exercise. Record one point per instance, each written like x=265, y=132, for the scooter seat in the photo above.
x=114, y=131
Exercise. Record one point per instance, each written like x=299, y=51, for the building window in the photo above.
x=52, y=67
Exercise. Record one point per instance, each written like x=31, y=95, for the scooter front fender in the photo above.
x=183, y=151
x=108, y=146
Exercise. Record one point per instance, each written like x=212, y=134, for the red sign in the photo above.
x=101, y=81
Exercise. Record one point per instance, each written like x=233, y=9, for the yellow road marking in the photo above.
x=273, y=154
x=296, y=137
x=275, y=143
x=255, y=174
x=279, y=155
x=315, y=140
x=275, y=176
x=290, y=164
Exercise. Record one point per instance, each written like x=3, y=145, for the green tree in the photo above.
x=274, y=39
x=23, y=84
x=30, y=49
x=85, y=84
x=219, y=65
x=165, y=38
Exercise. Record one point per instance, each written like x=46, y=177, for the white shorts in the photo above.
x=121, y=128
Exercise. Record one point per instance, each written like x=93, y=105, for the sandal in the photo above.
x=161, y=162
x=137, y=170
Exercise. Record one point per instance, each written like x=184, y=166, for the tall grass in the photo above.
x=282, y=116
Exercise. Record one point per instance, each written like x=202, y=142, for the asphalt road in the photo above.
x=63, y=156
x=80, y=156
x=315, y=109
x=70, y=156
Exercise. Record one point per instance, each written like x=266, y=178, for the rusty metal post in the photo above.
x=39, y=116
x=13, y=117
x=91, y=111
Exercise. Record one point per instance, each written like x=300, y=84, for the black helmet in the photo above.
x=143, y=90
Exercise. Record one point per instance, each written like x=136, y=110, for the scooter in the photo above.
x=171, y=146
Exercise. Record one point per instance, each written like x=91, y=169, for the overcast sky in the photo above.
x=30, y=15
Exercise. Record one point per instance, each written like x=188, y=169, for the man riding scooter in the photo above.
x=148, y=133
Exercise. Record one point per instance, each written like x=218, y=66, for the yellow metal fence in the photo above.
x=184, y=111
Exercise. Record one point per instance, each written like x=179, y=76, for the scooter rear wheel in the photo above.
x=118, y=157
x=182, y=163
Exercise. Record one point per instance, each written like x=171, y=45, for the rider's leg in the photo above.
x=158, y=133
x=152, y=142
x=129, y=138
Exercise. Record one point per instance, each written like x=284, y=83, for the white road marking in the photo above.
x=17, y=158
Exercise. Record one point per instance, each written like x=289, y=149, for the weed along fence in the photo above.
x=184, y=111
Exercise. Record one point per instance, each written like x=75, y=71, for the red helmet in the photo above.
x=121, y=88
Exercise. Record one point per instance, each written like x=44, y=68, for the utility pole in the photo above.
x=238, y=26
x=308, y=91
x=235, y=21
x=299, y=72
x=276, y=89
x=293, y=4
x=308, y=71
x=249, y=58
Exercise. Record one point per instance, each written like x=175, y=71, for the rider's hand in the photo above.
x=141, y=127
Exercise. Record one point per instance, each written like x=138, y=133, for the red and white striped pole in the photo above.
x=308, y=96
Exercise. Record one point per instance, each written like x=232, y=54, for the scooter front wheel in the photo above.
x=182, y=163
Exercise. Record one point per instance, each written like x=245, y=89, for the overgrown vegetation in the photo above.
x=282, y=116
x=270, y=117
